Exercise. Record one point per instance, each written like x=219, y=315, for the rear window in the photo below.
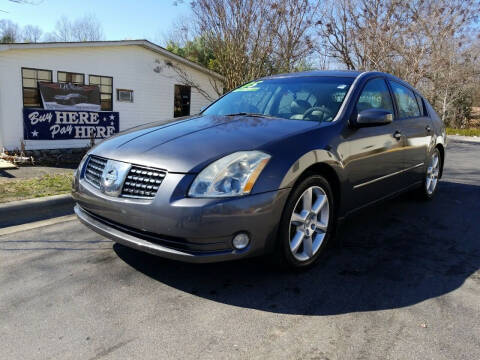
x=421, y=105
x=406, y=101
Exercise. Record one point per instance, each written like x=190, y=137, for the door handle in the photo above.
x=397, y=135
x=428, y=128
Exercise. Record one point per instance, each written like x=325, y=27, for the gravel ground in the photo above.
x=406, y=285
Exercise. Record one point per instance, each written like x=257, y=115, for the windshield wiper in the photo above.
x=251, y=115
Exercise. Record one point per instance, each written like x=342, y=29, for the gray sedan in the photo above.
x=270, y=168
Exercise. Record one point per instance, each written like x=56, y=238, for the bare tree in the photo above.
x=238, y=33
x=425, y=42
x=32, y=34
x=361, y=34
x=253, y=38
x=87, y=28
x=9, y=32
x=335, y=33
x=180, y=33
x=433, y=44
x=62, y=31
x=293, y=36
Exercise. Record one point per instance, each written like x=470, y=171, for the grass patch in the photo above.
x=464, y=132
x=46, y=185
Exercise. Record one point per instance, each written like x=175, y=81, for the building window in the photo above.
x=181, y=106
x=105, y=84
x=30, y=80
x=69, y=77
x=125, y=95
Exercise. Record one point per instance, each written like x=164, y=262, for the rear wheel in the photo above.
x=429, y=187
x=306, y=224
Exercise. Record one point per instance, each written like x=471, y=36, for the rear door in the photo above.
x=415, y=127
x=375, y=158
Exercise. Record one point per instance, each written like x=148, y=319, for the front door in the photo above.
x=375, y=160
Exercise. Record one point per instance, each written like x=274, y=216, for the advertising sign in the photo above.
x=66, y=125
x=60, y=96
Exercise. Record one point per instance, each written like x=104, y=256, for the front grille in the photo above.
x=142, y=182
x=94, y=170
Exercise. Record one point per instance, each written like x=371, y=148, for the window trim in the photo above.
x=100, y=92
x=395, y=100
x=27, y=87
x=70, y=72
x=118, y=95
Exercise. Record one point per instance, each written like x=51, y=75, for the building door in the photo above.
x=182, y=97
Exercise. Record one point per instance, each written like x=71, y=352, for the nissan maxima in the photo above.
x=269, y=168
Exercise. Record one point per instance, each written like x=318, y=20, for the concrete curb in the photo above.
x=26, y=211
x=472, y=139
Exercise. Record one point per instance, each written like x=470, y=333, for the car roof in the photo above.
x=339, y=73
x=342, y=73
x=396, y=79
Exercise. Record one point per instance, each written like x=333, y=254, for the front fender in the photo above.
x=294, y=156
x=309, y=160
x=320, y=160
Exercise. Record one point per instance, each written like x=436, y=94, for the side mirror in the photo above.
x=374, y=117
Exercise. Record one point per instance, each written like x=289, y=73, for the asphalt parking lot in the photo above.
x=405, y=285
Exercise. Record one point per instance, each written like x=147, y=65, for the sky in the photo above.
x=121, y=19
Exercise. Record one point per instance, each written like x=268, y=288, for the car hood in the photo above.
x=189, y=144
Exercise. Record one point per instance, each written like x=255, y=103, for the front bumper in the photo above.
x=180, y=228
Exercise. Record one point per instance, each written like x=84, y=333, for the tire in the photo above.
x=430, y=184
x=304, y=234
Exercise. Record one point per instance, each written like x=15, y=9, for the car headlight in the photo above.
x=232, y=175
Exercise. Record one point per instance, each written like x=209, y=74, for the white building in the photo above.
x=139, y=82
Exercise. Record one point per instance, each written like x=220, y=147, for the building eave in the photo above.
x=143, y=43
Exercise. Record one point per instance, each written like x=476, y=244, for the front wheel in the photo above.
x=307, y=222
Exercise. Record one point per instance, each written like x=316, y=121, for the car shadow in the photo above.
x=395, y=254
x=5, y=174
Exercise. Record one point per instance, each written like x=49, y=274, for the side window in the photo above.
x=407, y=104
x=375, y=95
x=421, y=105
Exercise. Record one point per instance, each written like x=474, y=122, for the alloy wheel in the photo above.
x=432, y=173
x=309, y=223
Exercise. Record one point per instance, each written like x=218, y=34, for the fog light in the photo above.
x=240, y=241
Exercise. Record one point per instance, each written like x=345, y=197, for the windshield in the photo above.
x=297, y=98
